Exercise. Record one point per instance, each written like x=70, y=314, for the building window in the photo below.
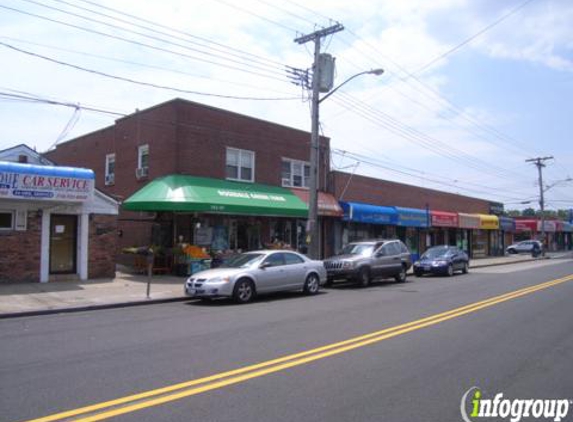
x=142, y=170
x=6, y=220
x=110, y=169
x=143, y=157
x=240, y=165
x=295, y=173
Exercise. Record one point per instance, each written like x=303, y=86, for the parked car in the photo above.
x=442, y=259
x=363, y=261
x=246, y=275
x=527, y=246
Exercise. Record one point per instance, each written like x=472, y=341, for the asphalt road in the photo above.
x=520, y=345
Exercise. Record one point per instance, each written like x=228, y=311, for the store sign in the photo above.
x=525, y=225
x=469, y=221
x=251, y=195
x=44, y=184
x=440, y=219
x=412, y=217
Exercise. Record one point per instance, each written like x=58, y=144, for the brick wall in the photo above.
x=102, y=247
x=381, y=192
x=20, y=252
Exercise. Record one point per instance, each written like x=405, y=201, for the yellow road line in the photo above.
x=279, y=364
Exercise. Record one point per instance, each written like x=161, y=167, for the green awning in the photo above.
x=200, y=194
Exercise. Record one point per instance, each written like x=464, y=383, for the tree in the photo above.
x=528, y=212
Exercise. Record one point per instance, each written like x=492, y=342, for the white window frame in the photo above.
x=141, y=151
x=13, y=217
x=290, y=183
x=240, y=153
x=108, y=159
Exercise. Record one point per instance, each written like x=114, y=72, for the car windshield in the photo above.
x=243, y=260
x=357, y=249
x=434, y=253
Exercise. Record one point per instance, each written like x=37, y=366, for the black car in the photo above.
x=442, y=260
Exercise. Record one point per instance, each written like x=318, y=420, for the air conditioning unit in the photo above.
x=141, y=172
x=109, y=179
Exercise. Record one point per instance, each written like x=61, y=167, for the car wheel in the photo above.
x=401, y=276
x=466, y=267
x=311, y=285
x=450, y=270
x=511, y=251
x=364, y=277
x=244, y=291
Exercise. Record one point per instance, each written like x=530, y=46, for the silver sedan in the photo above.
x=245, y=275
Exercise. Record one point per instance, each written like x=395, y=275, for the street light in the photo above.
x=312, y=226
x=376, y=72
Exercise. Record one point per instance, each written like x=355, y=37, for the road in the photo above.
x=390, y=352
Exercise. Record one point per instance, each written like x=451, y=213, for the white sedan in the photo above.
x=248, y=274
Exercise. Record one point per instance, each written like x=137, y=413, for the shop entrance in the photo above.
x=63, y=243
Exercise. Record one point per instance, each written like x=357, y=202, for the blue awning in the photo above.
x=39, y=170
x=412, y=217
x=507, y=224
x=367, y=213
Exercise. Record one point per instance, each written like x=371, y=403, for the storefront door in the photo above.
x=63, y=244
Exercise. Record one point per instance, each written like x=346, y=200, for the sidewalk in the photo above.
x=127, y=289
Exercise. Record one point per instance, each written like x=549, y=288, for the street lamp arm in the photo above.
x=376, y=72
x=547, y=187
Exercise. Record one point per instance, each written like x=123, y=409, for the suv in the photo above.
x=362, y=261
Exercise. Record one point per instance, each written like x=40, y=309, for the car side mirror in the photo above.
x=379, y=254
x=265, y=265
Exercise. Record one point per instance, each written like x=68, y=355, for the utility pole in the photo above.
x=539, y=163
x=312, y=226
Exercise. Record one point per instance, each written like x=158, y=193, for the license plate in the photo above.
x=192, y=291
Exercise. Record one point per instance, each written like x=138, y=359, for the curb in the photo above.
x=92, y=307
x=495, y=264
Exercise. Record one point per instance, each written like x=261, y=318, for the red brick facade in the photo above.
x=103, y=247
x=21, y=250
x=382, y=192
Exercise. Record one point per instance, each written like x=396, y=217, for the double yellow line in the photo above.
x=128, y=404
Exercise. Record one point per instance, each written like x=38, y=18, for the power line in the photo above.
x=267, y=74
x=261, y=64
x=148, y=84
x=462, y=113
x=139, y=64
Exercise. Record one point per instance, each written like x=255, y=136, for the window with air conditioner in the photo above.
x=110, y=169
x=295, y=173
x=240, y=165
x=142, y=161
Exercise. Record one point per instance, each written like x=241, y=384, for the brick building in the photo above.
x=182, y=139
x=53, y=224
x=421, y=217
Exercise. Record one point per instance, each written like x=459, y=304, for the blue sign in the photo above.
x=507, y=224
x=29, y=181
x=367, y=213
x=412, y=217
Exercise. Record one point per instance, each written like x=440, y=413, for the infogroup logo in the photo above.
x=514, y=409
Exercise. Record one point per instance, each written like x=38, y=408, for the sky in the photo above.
x=471, y=89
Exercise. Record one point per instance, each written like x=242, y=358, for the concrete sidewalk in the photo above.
x=26, y=299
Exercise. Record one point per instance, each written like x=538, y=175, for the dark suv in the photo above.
x=363, y=261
